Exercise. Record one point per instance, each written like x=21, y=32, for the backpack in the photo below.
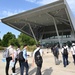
x=38, y=58
x=20, y=56
x=6, y=53
x=65, y=52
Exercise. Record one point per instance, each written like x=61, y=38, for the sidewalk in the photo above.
x=48, y=67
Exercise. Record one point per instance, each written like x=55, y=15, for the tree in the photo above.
x=25, y=39
x=7, y=37
x=0, y=42
x=14, y=42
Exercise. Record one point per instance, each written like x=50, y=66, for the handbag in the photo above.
x=12, y=63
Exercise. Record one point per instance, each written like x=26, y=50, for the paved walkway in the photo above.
x=48, y=68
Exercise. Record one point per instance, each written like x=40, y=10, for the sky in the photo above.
x=11, y=7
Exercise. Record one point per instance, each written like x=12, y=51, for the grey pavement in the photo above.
x=48, y=67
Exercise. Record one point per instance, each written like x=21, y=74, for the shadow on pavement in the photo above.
x=47, y=71
x=32, y=71
x=18, y=69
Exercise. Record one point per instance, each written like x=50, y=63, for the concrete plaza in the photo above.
x=48, y=67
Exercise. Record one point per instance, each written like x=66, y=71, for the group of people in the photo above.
x=37, y=58
x=65, y=53
x=13, y=55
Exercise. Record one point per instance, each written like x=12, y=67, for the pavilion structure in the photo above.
x=53, y=22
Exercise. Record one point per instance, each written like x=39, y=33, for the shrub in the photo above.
x=31, y=48
x=1, y=48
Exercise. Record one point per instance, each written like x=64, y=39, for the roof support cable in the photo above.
x=32, y=32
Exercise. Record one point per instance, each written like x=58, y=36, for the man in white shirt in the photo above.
x=38, y=61
x=73, y=51
x=65, y=52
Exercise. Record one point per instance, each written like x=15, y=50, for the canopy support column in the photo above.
x=32, y=33
x=57, y=31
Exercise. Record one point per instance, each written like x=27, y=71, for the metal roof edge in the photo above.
x=72, y=18
x=35, y=9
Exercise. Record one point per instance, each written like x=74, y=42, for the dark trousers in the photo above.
x=16, y=62
x=74, y=59
x=65, y=60
x=7, y=65
x=38, y=72
x=24, y=65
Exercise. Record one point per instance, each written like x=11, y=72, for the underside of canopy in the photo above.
x=54, y=19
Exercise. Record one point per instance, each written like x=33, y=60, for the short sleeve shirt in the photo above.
x=36, y=51
x=11, y=51
x=73, y=50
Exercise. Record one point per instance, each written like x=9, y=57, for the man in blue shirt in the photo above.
x=24, y=63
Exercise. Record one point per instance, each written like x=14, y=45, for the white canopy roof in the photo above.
x=40, y=21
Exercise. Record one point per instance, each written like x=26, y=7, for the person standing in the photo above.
x=25, y=62
x=37, y=58
x=73, y=51
x=65, y=55
x=9, y=58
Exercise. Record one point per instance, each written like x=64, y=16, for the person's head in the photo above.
x=18, y=46
x=38, y=45
x=25, y=46
x=12, y=45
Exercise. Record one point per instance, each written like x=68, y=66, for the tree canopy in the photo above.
x=22, y=39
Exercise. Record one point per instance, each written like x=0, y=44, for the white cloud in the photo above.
x=42, y=2
x=6, y=13
x=71, y=3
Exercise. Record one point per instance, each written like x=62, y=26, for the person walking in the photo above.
x=17, y=55
x=56, y=54
x=9, y=58
x=65, y=55
x=73, y=52
x=24, y=63
x=37, y=58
